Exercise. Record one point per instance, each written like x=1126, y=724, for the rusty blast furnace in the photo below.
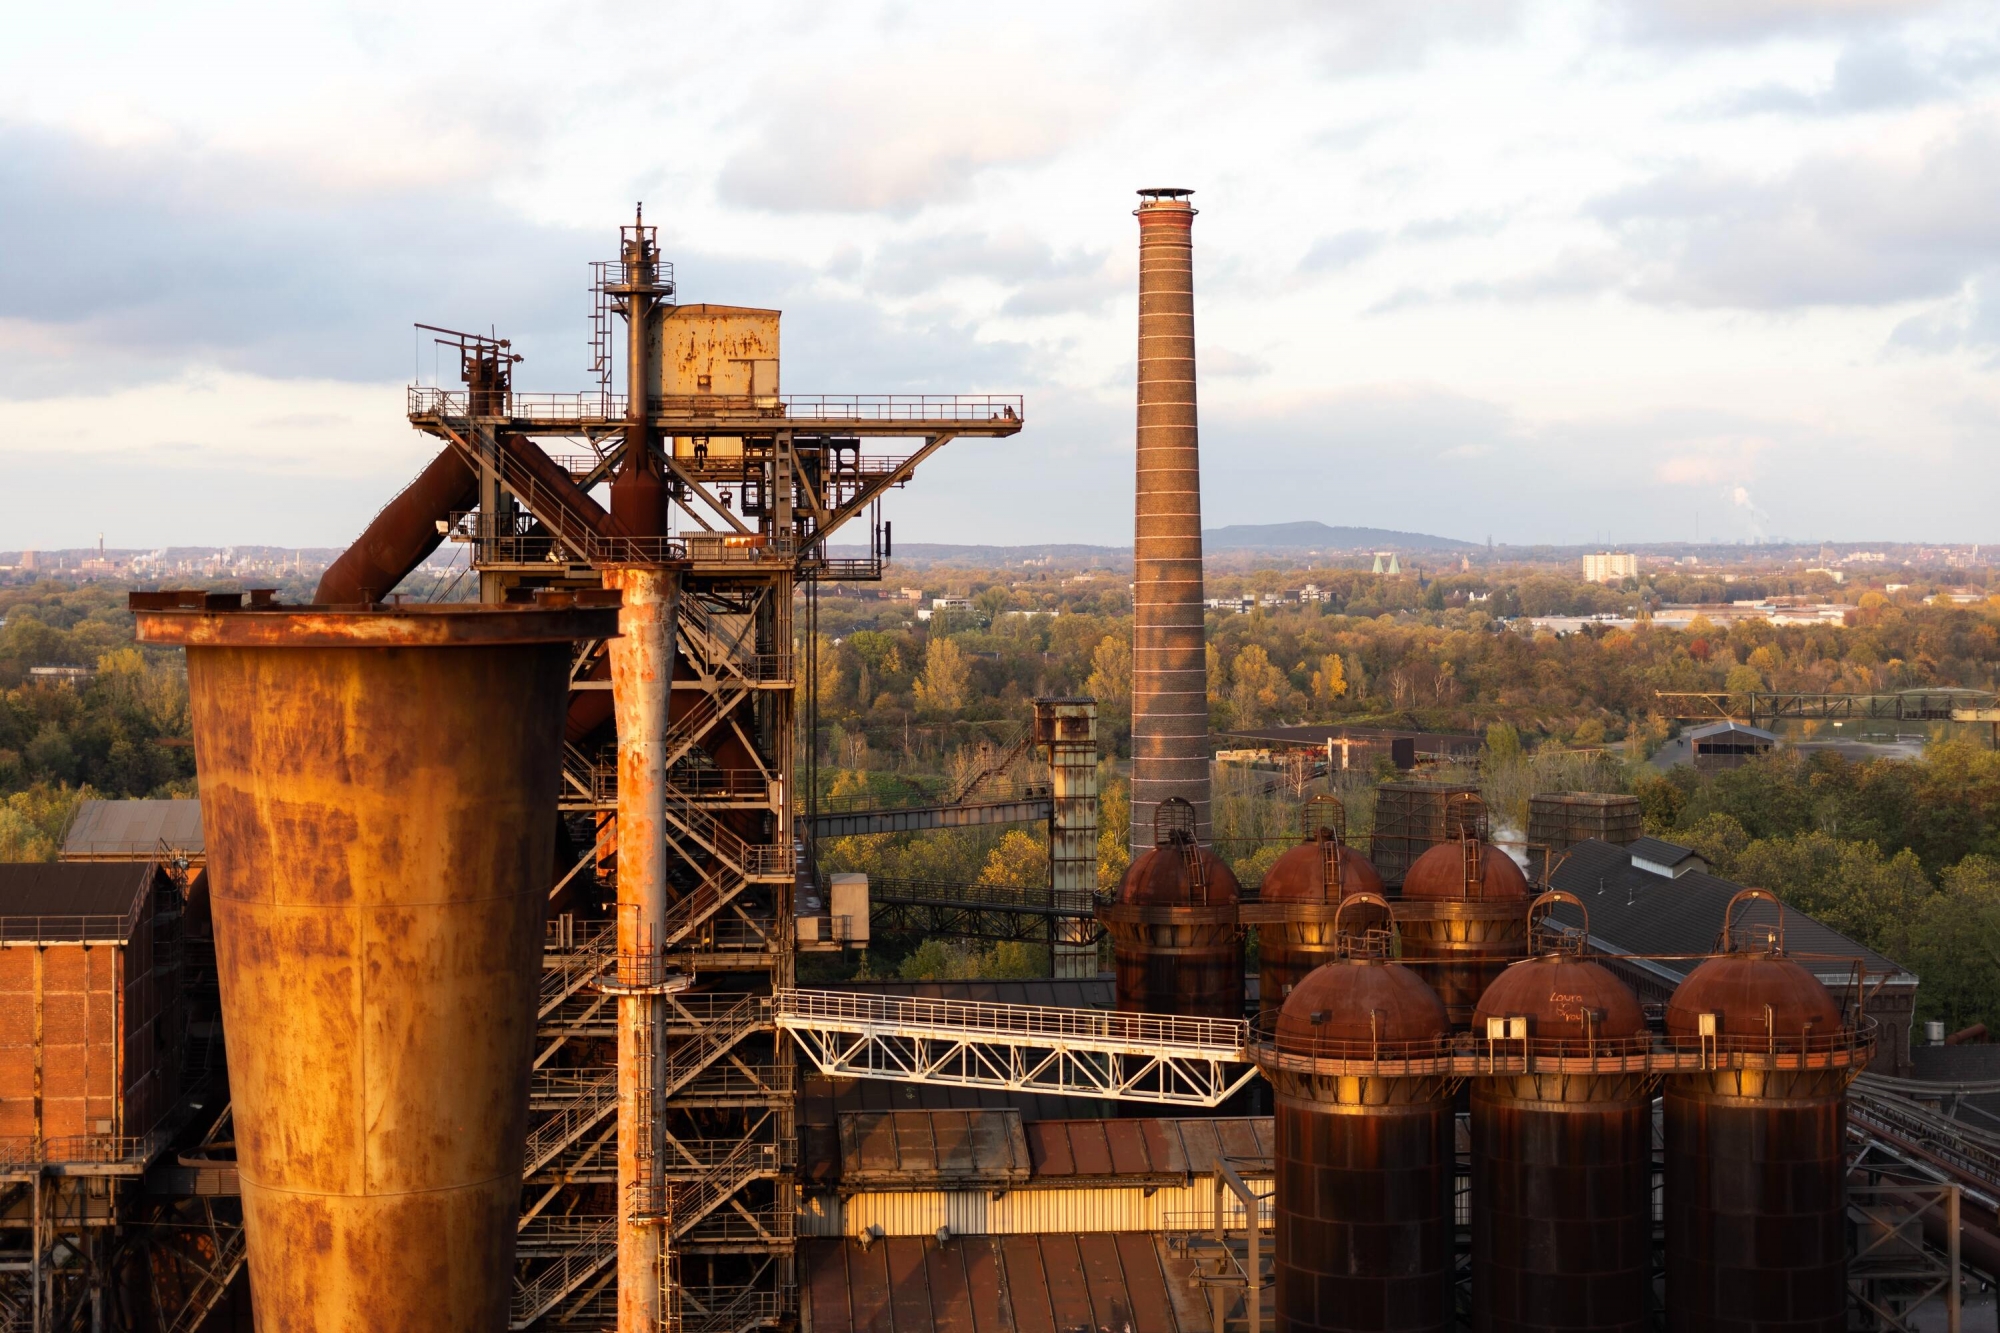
x=1169, y=655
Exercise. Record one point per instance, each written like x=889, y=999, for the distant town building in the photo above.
x=1610, y=567
x=1393, y=567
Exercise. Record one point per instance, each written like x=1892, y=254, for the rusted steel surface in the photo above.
x=1170, y=753
x=1363, y=1215
x=380, y=830
x=1464, y=913
x=1294, y=910
x=1364, y=1164
x=427, y=626
x=1756, y=1193
x=1756, y=1201
x=642, y=661
x=1175, y=945
x=1561, y=1207
x=1562, y=1163
x=398, y=539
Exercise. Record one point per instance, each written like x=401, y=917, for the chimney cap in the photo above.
x=1165, y=194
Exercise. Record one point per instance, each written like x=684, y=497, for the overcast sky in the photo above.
x=1564, y=272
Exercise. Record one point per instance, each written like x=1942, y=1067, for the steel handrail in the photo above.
x=1222, y=1037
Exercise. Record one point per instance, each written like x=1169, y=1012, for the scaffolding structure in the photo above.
x=759, y=481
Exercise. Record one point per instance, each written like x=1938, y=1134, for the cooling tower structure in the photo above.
x=1169, y=656
x=378, y=795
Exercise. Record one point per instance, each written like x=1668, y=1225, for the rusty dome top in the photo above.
x=1757, y=999
x=1760, y=999
x=1365, y=1001
x=1179, y=874
x=1303, y=874
x=1446, y=872
x=1565, y=998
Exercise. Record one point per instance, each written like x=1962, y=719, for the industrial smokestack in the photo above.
x=1169, y=657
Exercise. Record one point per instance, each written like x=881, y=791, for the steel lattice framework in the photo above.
x=1020, y=1047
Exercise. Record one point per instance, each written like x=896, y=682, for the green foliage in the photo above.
x=951, y=960
x=32, y=822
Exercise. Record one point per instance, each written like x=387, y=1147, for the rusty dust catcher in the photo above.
x=378, y=794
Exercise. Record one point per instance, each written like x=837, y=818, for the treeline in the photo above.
x=1903, y=856
x=123, y=732
x=911, y=689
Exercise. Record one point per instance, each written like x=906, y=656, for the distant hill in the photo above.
x=1313, y=534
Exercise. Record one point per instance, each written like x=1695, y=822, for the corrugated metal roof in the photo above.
x=932, y=1149
x=1636, y=911
x=134, y=830
x=1157, y=1147
x=68, y=891
x=1107, y=1282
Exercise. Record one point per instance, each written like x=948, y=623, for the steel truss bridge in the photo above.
x=1019, y=1047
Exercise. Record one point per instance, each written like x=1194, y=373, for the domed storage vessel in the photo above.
x=1756, y=1192
x=1359, y=1056
x=1175, y=945
x=1562, y=1146
x=1303, y=888
x=1464, y=913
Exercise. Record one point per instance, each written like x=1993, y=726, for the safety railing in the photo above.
x=547, y=1139
x=1510, y=1050
x=1218, y=1038
x=20, y=1153
x=70, y=929
x=426, y=402
x=545, y=1290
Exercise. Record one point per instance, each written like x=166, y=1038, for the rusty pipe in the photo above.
x=642, y=662
x=378, y=793
x=1169, y=653
x=402, y=535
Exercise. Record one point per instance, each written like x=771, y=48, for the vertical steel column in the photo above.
x=1169, y=653
x=1068, y=727
x=642, y=662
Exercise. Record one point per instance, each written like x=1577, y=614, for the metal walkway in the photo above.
x=1020, y=1047
x=916, y=818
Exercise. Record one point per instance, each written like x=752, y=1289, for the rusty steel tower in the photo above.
x=658, y=1188
x=1169, y=654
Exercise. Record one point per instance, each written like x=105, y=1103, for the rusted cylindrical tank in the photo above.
x=1464, y=915
x=1295, y=905
x=1756, y=1172
x=1175, y=944
x=1562, y=1149
x=1169, y=650
x=1359, y=1058
x=378, y=794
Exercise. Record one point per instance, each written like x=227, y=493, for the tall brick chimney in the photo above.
x=1169, y=657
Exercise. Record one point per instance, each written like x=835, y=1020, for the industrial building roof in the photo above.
x=932, y=1149
x=1149, y=1146
x=1122, y=1282
x=1642, y=912
x=134, y=830
x=915, y=1150
x=71, y=900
